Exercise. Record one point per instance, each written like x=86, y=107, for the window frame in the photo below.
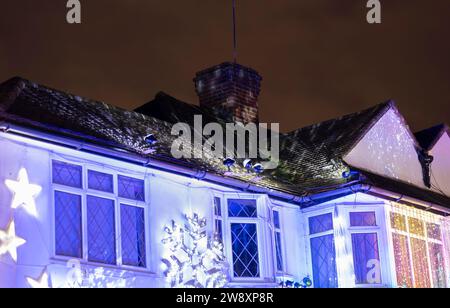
x=261, y=234
x=84, y=191
x=425, y=219
x=279, y=231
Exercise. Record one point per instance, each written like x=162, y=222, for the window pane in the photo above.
x=133, y=236
x=437, y=265
x=434, y=231
x=245, y=250
x=420, y=263
x=366, y=258
x=398, y=221
x=320, y=223
x=100, y=181
x=416, y=226
x=402, y=261
x=101, y=230
x=363, y=219
x=68, y=237
x=276, y=219
x=218, y=230
x=130, y=188
x=217, y=207
x=279, y=251
x=67, y=174
x=242, y=208
x=324, y=262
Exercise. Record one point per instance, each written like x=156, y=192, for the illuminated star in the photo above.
x=24, y=192
x=9, y=242
x=41, y=283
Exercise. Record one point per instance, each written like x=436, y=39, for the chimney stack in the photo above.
x=231, y=91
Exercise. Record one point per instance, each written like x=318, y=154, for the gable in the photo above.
x=388, y=149
x=440, y=168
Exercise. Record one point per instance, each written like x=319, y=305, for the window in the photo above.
x=278, y=241
x=218, y=219
x=68, y=225
x=366, y=256
x=114, y=209
x=243, y=220
x=418, y=249
x=323, y=252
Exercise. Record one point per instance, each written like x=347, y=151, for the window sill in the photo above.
x=60, y=260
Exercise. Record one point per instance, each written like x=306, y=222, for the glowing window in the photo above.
x=133, y=235
x=242, y=208
x=67, y=174
x=100, y=181
x=363, y=219
x=245, y=250
x=366, y=258
x=131, y=188
x=319, y=224
x=68, y=236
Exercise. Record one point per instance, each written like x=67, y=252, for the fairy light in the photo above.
x=418, y=247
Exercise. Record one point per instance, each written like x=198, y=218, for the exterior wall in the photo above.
x=169, y=197
x=388, y=149
x=440, y=167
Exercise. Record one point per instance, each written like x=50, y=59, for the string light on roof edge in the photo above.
x=9, y=242
x=24, y=192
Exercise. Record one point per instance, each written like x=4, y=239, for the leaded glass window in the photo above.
x=100, y=181
x=279, y=251
x=321, y=223
x=242, y=208
x=363, y=219
x=244, y=238
x=101, y=230
x=366, y=258
x=133, y=235
x=68, y=236
x=324, y=262
x=67, y=174
x=131, y=188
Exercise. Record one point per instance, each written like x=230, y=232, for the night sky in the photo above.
x=319, y=58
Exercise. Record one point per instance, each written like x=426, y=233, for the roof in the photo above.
x=311, y=157
x=428, y=138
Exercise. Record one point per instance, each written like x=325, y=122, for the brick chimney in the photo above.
x=231, y=91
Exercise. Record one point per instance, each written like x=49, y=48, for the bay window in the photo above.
x=99, y=215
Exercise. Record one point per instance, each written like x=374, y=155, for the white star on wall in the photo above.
x=9, y=242
x=24, y=192
x=40, y=283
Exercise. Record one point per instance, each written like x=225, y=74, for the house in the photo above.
x=90, y=196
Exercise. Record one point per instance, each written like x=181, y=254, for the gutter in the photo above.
x=302, y=201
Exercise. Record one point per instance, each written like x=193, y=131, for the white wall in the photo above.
x=169, y=198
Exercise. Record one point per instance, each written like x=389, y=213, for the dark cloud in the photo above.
x=319, y=58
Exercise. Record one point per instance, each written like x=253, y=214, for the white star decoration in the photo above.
x=40, y=283
x=9, y=241
x=24, y=192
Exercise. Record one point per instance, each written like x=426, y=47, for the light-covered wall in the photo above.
x=169, y=197
x=388, y=149
x=440, y=168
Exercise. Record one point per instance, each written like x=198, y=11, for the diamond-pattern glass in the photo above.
x=242, y=208
x=324, y=262
x=130, y=188
x=365, y=250
x=68, y=236
x=434, y=231
x=402, y=264
x=133, y=236
x=100, y=181
x=101, y=230
x=67, y=174
x=398, y=221
x=437, y=265
x=218, y=230
x=363, y=219
x=420, y=263
x=245, y=250
x=319, y=224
